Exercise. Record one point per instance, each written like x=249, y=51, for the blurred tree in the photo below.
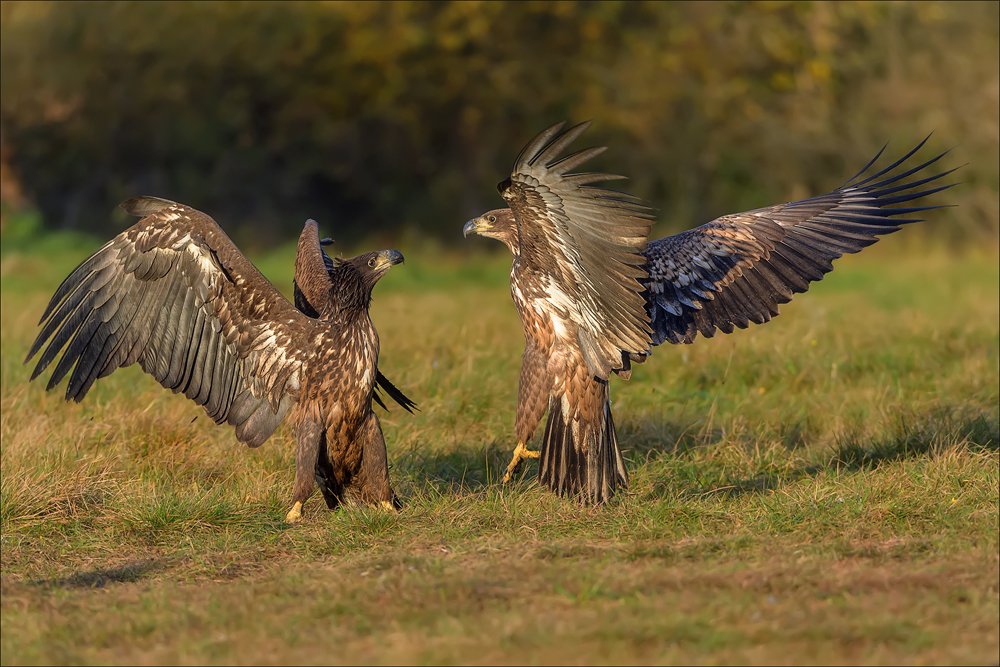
x=388, y=115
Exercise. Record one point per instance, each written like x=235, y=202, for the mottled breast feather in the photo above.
x=174, y=294
x=587, y=241
x=739, y=268
x=312, y=284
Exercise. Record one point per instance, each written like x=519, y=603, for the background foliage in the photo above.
x=392, y=116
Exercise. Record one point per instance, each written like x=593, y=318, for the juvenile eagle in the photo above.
x=174, y=294
x=594, y=296
x=314, y=276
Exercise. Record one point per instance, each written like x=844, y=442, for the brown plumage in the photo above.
x=314, y=271
x=175, y=295
x=593, y=297
x=575, y=282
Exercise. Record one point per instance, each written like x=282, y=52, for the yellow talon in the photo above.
x=520, y=454
x=386, y=505
x=294, y=514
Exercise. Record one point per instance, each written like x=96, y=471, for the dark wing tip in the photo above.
x=381, y=382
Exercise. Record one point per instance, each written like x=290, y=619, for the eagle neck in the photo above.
x=349, y=297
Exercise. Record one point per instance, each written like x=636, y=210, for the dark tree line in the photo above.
x=372, y=116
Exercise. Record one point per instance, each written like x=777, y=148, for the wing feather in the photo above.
x=174, y=294
x=312, y=281
x=587, y=241
x=773, y=252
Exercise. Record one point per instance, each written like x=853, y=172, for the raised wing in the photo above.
x=311, y=282
x=312, y=288
x=738, y=268
x=174, y=294
x=587, y=242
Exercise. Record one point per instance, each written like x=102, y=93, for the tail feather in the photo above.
x=326, y=480
x=579, y=458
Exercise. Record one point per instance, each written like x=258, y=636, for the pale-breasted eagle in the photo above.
x=594, y=295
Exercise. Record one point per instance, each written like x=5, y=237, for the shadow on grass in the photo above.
x=909, y=436
x=101, y=577
x=468, y=468
x=473, y=468
x=917, y=437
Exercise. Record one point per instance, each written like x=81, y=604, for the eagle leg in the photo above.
x=521, y=453
x=307, y=448
x=370, y=484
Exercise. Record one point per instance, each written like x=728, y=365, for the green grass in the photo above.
x=820, y=489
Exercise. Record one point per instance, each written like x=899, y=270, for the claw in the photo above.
x=520, y=454
x=294, y=514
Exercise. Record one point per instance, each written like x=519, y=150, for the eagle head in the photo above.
x=353, y=279
x=374, y=265
x=496, y=224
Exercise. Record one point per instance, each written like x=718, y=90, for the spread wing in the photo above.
x=174, y=294
x=587, y=242
x=738, y=268
x=312, y=288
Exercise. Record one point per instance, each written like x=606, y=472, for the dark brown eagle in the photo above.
x=594, y=296
x=174, y=294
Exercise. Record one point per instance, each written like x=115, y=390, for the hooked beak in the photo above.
x=475, y=226
x=386, y=259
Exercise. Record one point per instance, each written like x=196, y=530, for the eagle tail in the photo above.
x=580, y=455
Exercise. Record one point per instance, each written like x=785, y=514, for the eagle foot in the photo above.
x=294, y=514
x=386, y=505
x=520, y=454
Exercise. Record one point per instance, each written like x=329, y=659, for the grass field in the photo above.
x=820, y=489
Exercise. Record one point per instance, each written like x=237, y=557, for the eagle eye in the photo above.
x=493, y=218
x=371, y=262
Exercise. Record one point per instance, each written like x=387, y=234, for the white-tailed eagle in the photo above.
x=594, y=296
x=175, y=295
